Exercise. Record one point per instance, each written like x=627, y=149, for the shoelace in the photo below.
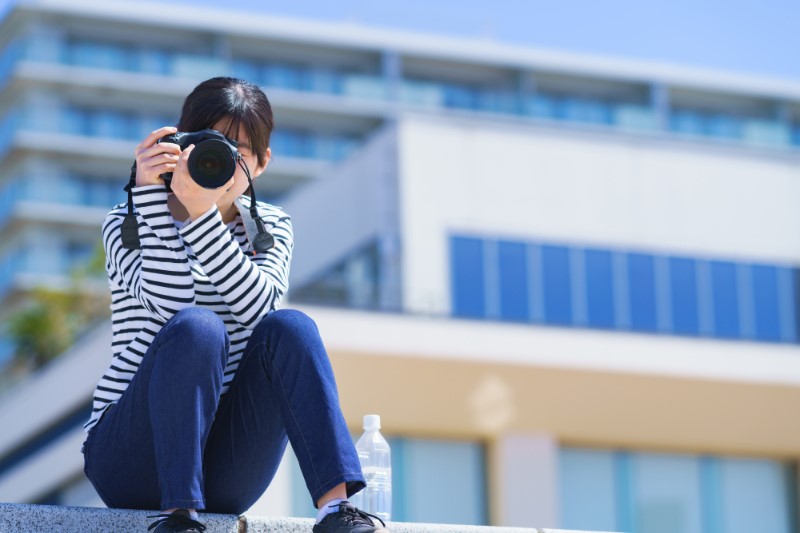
x=354, y=515
x=176, y=520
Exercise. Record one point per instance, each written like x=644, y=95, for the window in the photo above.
x=468, y=281
x=683, y=289
x=725, y=290
x=513, y=280
x=640, y=492
x=766, y=303
x=587, y=496
x=642, y=291
x=570, y=286
x=557, y=285
x=600, y=288
x=438, y=481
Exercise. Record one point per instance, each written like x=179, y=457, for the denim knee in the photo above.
x=289, y=328
x=291, y=320
x=201, y=331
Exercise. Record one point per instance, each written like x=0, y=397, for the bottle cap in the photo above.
x=372, y=422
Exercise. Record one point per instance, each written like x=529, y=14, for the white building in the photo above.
x=567, y=284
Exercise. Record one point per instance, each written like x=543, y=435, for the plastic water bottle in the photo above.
x=376, y=464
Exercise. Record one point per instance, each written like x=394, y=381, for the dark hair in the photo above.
x=241, y=101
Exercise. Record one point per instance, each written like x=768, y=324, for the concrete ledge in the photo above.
x=24, y=518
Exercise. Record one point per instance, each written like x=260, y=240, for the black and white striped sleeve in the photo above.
x=157, y=274
x=250, y=286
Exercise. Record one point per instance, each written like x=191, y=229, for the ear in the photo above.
x=261, y=168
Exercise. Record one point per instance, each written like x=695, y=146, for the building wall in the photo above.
x=613, y=191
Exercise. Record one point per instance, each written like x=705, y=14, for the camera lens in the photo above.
x=211, y=164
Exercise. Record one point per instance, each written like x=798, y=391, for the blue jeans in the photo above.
x=171, y=442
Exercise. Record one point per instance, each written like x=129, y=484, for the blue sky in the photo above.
x=758, y=37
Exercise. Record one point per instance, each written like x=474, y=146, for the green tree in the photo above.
x=53, y=318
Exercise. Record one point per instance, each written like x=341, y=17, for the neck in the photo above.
x=228, y=213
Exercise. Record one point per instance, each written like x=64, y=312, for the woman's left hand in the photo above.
x=196, y=199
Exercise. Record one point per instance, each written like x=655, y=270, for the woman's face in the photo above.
x=250, y=158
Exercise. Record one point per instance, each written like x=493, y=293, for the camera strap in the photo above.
x=130, y=226
x=259, y=238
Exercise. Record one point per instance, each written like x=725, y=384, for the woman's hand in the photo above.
x=154, y=159
x=196, y=199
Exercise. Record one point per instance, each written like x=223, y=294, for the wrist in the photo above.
x=194, y=214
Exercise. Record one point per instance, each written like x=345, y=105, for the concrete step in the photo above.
x=25, y=518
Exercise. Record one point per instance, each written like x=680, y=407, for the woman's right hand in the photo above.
x=154, y=159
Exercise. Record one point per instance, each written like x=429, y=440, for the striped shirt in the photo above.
x=205, y=263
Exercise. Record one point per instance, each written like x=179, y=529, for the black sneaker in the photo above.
x=348, y=519
x=178, y=521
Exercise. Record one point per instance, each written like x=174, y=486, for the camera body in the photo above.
x=212, y=162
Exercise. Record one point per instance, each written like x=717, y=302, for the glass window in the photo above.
x=725, y=290
x=438, y=481
x=99, y=55
x=755, y=496
x=766, y=303
x=683, y=289
x=363, y=86
x=581, y=110
x=687, y=122
x=110, y=125
x=724, y=126
x=284, y=76
x=540, y=106
x=600, y=288
x=642, y=291
x=788, y=298
x=468, y=283
x=324, y=81
x=513, y=280
x=557, y=284
x=587, y=495
x=246, y=70
x=666, y=492
x=152, y=61
x=459, y=97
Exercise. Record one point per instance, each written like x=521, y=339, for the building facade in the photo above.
x=568, y=284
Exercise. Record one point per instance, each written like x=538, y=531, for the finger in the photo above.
x=151, y=139
x=159, y=159
x=161, y=148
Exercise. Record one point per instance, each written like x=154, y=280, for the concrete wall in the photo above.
x=614, y=191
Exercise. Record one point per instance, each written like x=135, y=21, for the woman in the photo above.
x=209, y=379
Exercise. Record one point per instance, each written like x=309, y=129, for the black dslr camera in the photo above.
x=212, y=162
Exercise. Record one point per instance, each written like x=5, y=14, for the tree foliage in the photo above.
x=53, y=318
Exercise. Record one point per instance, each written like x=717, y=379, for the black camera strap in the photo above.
x=260, y=239
x=130, y=227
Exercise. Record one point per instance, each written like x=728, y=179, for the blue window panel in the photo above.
x=587, y=489
x=686, y=122
x=666, y=493
x=151, y=61
x=468, y=283
x=513, y=280
x=459, y=97
x=642, y=292
x=725, y=290
x=765, y=300
x=723, y=126
x=683, y=289
x=756, y=495
x=246, y=70
x=557, y=285
x=440, y=481
x=789, y=297
x=600, y=288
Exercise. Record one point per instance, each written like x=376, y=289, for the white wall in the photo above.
x=528, y=182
